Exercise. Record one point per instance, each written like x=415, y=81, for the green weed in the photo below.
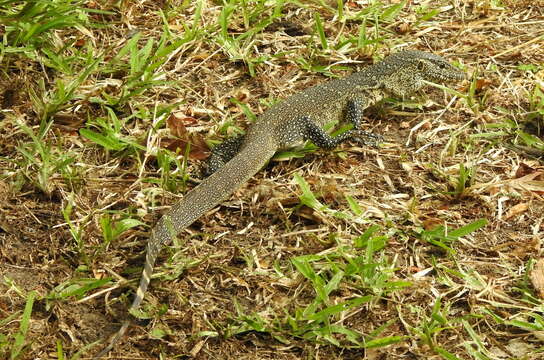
x=16, y=346
x=443, y=238
x=432, y=325
x=359, y=265
x=47, y=103
x=142, y=66
x=111, y=230
x=29, y=24
x=77, y=288
x=252, y=14
x=41, y=161
x=172, y=180
x=309, y=199
x=521, y=134
x=110, y=135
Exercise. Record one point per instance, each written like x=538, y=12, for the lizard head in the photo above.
x=411, y=67
x=434, y=68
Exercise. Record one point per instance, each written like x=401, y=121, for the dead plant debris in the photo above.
x=97, y=112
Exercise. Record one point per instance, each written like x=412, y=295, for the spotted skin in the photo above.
x=223, y=152
x=288, y=123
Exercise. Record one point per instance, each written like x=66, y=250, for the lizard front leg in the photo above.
x=354, y=113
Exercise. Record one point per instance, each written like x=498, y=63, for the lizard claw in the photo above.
x=368, y=139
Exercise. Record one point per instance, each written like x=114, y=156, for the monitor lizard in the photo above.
x=286, y=124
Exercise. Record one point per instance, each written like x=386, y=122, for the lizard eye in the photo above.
x=420, y=65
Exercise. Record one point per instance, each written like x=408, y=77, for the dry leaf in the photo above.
x=516, y=210
x=524, y=169
x=404, y=125
x=432, y=223
x=177, y=123
x=198, y=150
x=537, y=277
x=482, y=84
x=530, y=182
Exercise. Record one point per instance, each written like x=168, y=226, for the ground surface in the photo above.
x=364, y=264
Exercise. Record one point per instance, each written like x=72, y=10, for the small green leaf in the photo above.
x=388, y=340
x=335, y=309
x=528, y=67
x=123, y=225
x=467, y=229
x=392, y=11
x=108, y=142
x=321, y=31
x=445, y=354
x=158, y=333
x=76, y=287
x=23, y=327
x=354, y=206
x=304, y=267
x=362, y=240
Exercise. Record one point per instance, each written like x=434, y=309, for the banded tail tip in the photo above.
x=114, y=340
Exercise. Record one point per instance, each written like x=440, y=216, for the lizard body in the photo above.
x=288, y=123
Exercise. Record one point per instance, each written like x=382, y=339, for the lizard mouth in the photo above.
x=453, y=74
x=457, y=75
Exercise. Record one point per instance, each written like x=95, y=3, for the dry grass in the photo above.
x=228, y=287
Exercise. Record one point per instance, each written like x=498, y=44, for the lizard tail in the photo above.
x=114, y=340
x=208, y=194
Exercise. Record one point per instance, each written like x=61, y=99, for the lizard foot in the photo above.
x=367, y=138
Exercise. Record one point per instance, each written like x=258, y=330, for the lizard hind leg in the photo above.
x=354, y=112
x=222, y=153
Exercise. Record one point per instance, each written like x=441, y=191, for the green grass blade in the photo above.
x=467, y=229
x=108, y=142
x=385, y=341
x=23, y=328
x=321, y=31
